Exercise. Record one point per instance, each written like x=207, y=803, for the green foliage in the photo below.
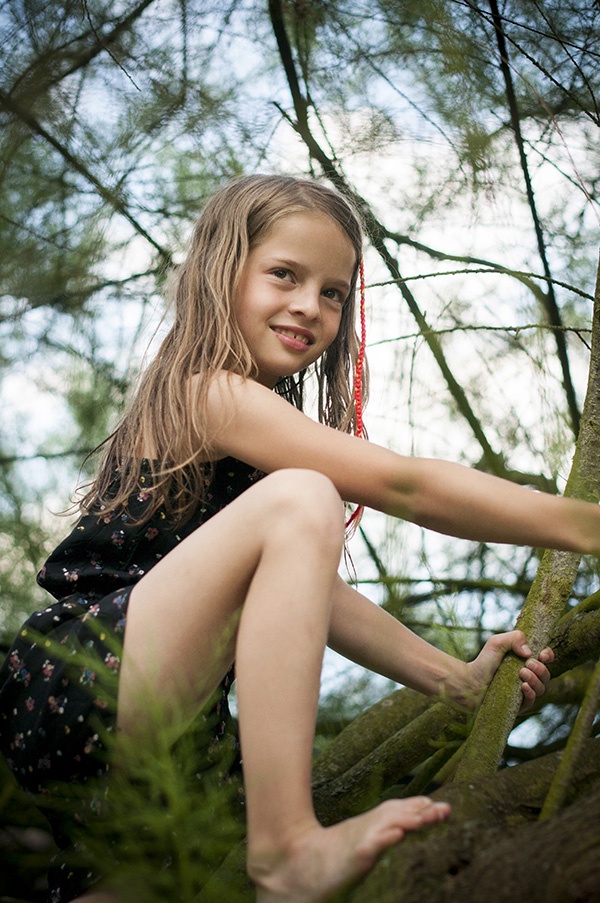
x=118, y=120
x=166, y=815
x=23, y=544
x=25, y=842
x=165, y=822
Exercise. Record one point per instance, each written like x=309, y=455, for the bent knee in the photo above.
x=308, y=497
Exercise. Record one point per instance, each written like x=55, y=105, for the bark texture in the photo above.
x=494, y=851
x=551, y=589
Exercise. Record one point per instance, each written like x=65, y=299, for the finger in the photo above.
x=512, y=641
x=546, y=656
x=529, y=696
x=539, y=669
x=519, y=644
x=532, y=681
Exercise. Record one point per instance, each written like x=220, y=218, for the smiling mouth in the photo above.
x=302, y=337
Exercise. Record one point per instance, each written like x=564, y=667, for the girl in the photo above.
x=213, y=533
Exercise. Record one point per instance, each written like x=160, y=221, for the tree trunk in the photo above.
x=491, y=850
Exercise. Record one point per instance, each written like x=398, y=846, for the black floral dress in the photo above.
x=57, y=705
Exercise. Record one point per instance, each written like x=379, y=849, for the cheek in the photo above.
x=244, y=309
x=333, y=327
x=245, y=325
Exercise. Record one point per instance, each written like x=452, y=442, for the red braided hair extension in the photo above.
x=355, y=518
x=358, y=377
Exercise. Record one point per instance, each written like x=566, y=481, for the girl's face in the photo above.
x=292, y=289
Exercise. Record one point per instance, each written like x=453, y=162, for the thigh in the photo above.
x=183, y=615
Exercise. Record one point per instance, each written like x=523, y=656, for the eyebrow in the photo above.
x=296, y=265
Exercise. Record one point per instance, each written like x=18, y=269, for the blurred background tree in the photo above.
x=466, y=132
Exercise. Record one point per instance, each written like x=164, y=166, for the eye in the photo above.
x=281, y=273
x=334, y=294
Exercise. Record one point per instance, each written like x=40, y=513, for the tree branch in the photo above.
x=7, y=460
x=549, y=298
x=576, y=743
x=81, y=59
x=490, y=266
x=549, y=593
x=494, y=460
x=386, y=743
x=111, y=197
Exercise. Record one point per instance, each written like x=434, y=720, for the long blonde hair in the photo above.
x=205, y=338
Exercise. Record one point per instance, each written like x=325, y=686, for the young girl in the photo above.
x=213, y=532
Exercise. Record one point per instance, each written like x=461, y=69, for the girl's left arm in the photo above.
x=371, y=637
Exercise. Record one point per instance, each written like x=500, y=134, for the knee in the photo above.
x=307, y=500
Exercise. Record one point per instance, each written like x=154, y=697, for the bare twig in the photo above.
x=549, y=298
x=377, y=234
x=110, y=196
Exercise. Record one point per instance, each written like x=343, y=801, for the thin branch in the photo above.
x=66, y=297
x=523, y=276
x=450, y=584
x=102, y=43
x=535, y=62
x=377, y=234
x=368, y=59
x=111, y=197
x=513, y=331
x=7, y=460
x=550, y=302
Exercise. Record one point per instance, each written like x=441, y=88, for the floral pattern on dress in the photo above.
x=56, y=713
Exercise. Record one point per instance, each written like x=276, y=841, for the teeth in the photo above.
x=295, y=335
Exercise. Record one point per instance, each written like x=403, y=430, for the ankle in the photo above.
x=269, y=851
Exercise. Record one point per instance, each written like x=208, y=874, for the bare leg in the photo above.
x=256, y=582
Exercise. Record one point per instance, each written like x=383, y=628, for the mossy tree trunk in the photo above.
x=494, y=849
x=547, y=599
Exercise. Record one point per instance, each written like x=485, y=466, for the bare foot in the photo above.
x=321, y=861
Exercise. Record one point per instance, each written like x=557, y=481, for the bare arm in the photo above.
x=369, y=636
x=253, y=424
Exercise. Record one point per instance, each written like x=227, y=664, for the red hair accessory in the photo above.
x=355, y=518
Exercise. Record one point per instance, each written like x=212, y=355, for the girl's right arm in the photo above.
x=253, y=424
x=365, y=633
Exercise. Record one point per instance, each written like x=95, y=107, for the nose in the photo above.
x=306, y=300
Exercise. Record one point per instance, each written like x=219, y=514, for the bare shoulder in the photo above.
x=244, y=416
x=232, y=397
x=227, y=388
x=250, y=422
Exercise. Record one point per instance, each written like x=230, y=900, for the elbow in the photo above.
x=406, y=496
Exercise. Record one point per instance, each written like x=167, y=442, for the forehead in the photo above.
x=310, y=235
